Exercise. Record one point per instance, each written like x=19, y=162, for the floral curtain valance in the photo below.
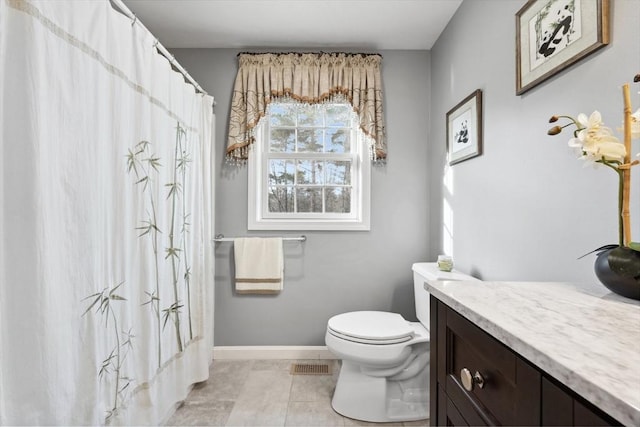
x=306, y=77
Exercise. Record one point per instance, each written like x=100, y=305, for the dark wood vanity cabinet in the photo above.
x=477, y=380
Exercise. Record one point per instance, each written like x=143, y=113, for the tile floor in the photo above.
x=264, y=393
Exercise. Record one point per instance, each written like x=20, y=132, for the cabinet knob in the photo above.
x=469, y=380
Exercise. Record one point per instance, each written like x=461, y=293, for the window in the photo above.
x=309, y=169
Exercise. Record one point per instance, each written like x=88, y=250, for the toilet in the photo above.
x=384, y=375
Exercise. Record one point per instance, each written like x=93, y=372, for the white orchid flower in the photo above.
x=609, y=150
x=635, y=125
x=593, y=124
x=596, y=142
x=576, y=144
x=597, y=146
x=593, y=120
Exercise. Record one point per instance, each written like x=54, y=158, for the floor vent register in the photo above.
x=310, y=369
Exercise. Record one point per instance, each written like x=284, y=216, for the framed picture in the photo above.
x=464, y=129
x=552, y=35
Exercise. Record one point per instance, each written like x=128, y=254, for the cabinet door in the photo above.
x=448, y=414
x=557, y=406
x=510, y=391
x=561, y=407
x=584, y=415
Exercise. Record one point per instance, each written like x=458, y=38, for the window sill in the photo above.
x=302, y=225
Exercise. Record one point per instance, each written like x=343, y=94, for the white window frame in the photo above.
x=259, y=218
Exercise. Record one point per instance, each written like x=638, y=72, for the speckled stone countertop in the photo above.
x=583, y=335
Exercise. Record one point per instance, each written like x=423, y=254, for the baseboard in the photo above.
x=272, y=352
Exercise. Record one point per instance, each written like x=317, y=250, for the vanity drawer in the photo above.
x=506, y=388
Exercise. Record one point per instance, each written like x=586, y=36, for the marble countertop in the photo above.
x=581, y=334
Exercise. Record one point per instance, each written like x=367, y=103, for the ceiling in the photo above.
x=328, y=24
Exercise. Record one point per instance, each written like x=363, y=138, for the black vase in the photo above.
x=626, y=285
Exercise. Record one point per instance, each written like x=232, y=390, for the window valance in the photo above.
x=310, y=78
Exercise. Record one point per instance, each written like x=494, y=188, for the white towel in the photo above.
x=259, y=265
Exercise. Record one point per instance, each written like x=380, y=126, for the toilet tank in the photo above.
x=423, y=271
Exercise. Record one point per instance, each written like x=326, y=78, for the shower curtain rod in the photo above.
x=161, y=49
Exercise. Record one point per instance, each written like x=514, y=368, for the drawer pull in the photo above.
x=469, y=380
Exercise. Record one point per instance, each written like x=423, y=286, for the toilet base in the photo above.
x=377, y=399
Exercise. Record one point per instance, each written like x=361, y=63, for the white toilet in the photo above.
x=385, y=359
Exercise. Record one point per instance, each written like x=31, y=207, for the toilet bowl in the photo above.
x=384, y=375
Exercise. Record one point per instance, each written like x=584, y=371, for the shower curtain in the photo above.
x=106, y=272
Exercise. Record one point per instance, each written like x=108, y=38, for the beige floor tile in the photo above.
x=269, y=386
x=260, y=393
x=226, y=381
x=273, y=365
x=263, y=399
x=259, y=413
x=308, y=414
x=312, y=388
x=201, y=414
x=220, y=366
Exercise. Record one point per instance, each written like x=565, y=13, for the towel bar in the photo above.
x=221, y=238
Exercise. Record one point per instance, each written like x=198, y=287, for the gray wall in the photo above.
x=332, y=272
x=526, y=208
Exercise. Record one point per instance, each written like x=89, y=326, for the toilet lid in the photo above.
x=372, y=327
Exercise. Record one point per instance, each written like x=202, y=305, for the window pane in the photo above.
x=281, y=199
x=337, y=199
x=282, y=114
x=309, y=115
x=339, y=115
x=338, y=141
x=282, y=140
x=310, y=140
x=338, y=172
x=310, y=172
x=281, y=172
x=309, y=199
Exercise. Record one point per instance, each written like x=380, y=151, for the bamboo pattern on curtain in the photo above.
x=310, y=78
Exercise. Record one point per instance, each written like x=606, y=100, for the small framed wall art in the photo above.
x=552, y=35
x=464, y=129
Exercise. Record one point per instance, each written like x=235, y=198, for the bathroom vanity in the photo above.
x=533, y=353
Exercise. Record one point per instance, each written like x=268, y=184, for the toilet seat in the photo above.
x=371, y=327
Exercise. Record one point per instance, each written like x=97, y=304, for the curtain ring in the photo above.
x=155, y=43
x=135, y=18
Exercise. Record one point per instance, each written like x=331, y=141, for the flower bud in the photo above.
x=554, y=130
x=553, y=119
